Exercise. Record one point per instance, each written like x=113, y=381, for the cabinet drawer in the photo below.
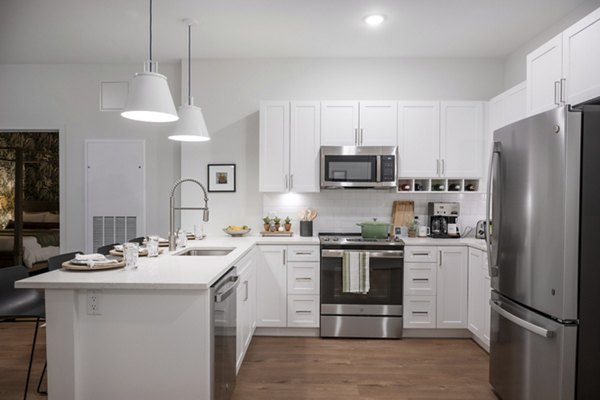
x=303, y=277
x=419, y=311
x=420, y=254
x=420, y=279
x=303, y=311
x=303, y=253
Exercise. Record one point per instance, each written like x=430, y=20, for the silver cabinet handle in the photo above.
x=440, y=258
x=246, y=284
x=286, y=181
x=437, y=167
x=284, y=257
x=291, y=181
x=361, y=136
x=563, y=90
x=304, y=253
x=421, y=254
x=538, y=330
x=556, y=90
x=420, y=279
x=304, y=279
x=443, y=167
x=356, y=136
x=303, y=312
x=419, y=313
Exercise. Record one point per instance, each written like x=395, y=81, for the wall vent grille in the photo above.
x=112, y=229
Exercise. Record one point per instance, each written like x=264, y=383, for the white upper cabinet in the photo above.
x=581, y=60
x=565, y=69
x=509, y=106
x=339, y=123
x=461, y=139
x=378, y=122
x=305, y=142
x=418, y=139
x=289, y=146
x=544, y=72
x=433, y=138
x=353, y=123
x=274, y=156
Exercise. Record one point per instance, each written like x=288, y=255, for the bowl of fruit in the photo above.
x=235, y=230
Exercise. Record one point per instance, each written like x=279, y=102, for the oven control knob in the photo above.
x=326, y=239
x=335, y=239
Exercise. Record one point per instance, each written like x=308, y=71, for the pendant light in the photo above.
x=149, y=98
x=191, y=126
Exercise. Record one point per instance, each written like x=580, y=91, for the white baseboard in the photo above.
x=304, y=332
x=481, y=343
x=436, y=333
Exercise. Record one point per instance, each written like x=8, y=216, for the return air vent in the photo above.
x=112, y=229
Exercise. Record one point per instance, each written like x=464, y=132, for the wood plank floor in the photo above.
x=15, y=347
x=409, y=369
x=310, y=368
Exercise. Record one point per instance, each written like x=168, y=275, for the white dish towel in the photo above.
x=355, y=272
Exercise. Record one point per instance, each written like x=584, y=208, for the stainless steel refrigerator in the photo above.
x=544, y=250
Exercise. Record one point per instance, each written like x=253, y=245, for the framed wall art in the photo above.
x=221, y=177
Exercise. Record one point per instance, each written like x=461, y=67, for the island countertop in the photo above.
x=167, y=271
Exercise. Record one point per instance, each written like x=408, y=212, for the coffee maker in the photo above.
x=442, y=220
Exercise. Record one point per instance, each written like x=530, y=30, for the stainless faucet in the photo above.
x=172, y=236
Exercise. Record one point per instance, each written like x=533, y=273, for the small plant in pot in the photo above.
x=267, y=224
x=288, y=224
x=277, y=223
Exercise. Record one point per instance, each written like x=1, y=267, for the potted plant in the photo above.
x=277, y=223
x=267, y=224
x=288, y=224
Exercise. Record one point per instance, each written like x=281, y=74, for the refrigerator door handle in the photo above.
x=488, y=206
x=538, y=330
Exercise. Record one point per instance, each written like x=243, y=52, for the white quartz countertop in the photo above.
x=166, y=271
x=471, y=242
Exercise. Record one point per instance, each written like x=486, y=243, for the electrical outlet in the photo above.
x=93, y=303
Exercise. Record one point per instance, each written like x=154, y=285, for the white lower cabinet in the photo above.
x=288, y=286
x=435, y=287
x=479, y=296
x=246, y=305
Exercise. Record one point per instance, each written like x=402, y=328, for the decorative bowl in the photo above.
x=236, y=232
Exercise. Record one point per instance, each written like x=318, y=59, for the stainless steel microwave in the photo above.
x=358, y=167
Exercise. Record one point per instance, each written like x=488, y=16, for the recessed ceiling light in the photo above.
x=374, y=19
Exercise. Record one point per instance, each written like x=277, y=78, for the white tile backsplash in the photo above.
x=341, y=210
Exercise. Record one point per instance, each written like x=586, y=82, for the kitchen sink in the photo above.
x=215, y=251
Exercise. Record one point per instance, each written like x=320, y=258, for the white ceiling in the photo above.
x=116, y=31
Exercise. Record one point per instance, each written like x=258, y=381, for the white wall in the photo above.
x=229, y=92
x=514, y=65
x=67, y=97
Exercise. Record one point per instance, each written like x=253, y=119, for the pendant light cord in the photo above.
x=150, y=35
x=190, y=65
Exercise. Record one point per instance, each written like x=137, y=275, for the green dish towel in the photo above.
x=355, y=272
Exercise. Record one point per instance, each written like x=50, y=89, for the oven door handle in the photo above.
x=372, y=253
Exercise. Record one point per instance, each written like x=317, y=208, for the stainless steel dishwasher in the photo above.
x=223, y=332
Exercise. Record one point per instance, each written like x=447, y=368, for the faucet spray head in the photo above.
x=205, y=215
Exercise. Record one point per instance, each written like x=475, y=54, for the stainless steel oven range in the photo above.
x=374, y=310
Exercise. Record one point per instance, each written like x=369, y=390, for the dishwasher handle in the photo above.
x=227, y=288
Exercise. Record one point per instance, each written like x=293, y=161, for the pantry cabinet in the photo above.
x=289, y=146
x=564, y=69
x=433, y=138
x=288, y=286
x=353, y=123
x=435, y=287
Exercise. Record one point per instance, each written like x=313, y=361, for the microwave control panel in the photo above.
x=388, y=168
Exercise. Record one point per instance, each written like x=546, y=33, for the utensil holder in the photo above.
x=306, y=228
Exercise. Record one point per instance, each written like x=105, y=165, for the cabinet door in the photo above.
x=305, y=142
x=339, y=123
x=240, y=323
x=509, y=106
x=378, y=122
x=250, y=305
x=487, y=309
x=419, y=139
x=271, y=287
x=544, y=69
x=581, y=59
x=452, y=287
x=461, y=134
x=274, y=157
x=476, y=310
x=419, y=312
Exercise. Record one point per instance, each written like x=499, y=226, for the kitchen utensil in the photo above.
x=306, y=228
x=403, y=213
x=374, y=229
x=312, y=215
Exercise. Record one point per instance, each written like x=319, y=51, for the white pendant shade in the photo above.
x=150, y=99
x=191, y=126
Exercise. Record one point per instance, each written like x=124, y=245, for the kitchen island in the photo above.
x=147, y=333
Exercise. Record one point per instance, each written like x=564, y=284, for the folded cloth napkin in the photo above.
x=90, y=257
x=355, y=272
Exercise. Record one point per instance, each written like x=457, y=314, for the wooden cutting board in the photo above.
x=403, y=213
